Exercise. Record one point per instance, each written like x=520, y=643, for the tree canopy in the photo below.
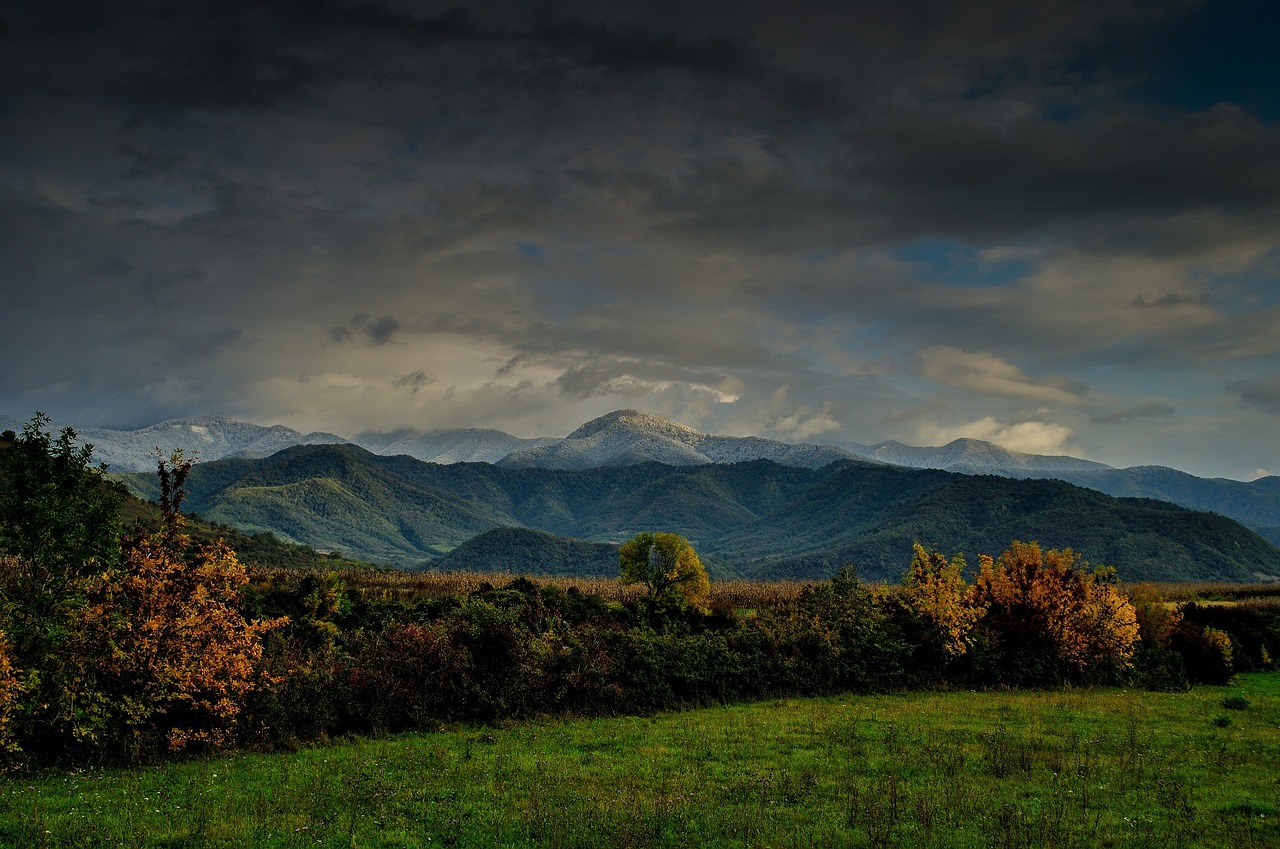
x=666, y=564
x=58, y=515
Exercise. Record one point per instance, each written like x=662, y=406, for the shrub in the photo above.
x=1048, y=618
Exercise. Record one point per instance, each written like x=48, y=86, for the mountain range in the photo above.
x=758, y=519
x=627, y=437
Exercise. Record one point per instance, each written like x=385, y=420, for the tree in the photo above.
x=58, y=516
x=59, y=522
x=936, y=591
x=110, y=646
x=668, y=566
x=1052, y=615
x=179, y=646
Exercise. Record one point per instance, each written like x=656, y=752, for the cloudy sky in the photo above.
x=1054, y=225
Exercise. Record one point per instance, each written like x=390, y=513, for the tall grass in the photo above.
x=391, y=585
x=395, y=586
x=1069, y=768
x=1219, y=591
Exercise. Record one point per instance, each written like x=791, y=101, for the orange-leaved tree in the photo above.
x=935, y=590
x=1050, y=612
x=179, y=645
x=1157, y=618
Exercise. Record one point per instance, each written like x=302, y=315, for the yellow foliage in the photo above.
x=1157, y=618
x=11, y=690
x=665, y=562
x=1087, y=620
x=1220, y=642
x=936, y=590
x=172, y=616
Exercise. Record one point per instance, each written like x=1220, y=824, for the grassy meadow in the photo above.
x=1060, y=768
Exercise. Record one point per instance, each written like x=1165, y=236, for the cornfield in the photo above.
x=395, y=586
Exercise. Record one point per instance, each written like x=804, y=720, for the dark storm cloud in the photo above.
x=376, y=331
x=984, y=182
x=738, y=212
x=1263, y=393
x=227, y=54
x=835, y=167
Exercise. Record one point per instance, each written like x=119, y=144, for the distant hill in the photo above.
x=1256, y=504
x=970, y=456
x=627, y=437
x=472, y=445
x=260, y=550
x=861, y=521
x=523, y=551
x=759, y=519
x=208, y=437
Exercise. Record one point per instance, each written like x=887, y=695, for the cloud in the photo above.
x=802, y=423
x=1148, y=410
x=380, y=330
x=1171, y=299
x=414, y=381
x=640, y=380
x=287, y=212
x=1028, y=437
x=377, y=331
x=983, y=372
x=1263, y=393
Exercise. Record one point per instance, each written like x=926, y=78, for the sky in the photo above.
x=1052, y=225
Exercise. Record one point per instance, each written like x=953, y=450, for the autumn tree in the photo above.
x=1157, y=618
x=11, y=688
x=936, y=591
x=668, y=566
x=178, y=642
x=1050, y=616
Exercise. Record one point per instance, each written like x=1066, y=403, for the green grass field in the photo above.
x=1069, y=768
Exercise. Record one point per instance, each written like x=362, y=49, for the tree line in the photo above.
x=138, y=645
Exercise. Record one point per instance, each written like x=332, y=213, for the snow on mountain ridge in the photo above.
x=470, y=445
x=622, y=437
x=635, y=420
x=205, y=437
x=627, y=437
x=971, y=456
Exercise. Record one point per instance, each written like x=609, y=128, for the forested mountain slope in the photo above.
x=758, y=519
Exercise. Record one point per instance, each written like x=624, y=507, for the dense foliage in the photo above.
x=114, y=645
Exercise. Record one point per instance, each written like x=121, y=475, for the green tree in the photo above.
x=59, y=527
x=58, y=515
x=668, y=566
